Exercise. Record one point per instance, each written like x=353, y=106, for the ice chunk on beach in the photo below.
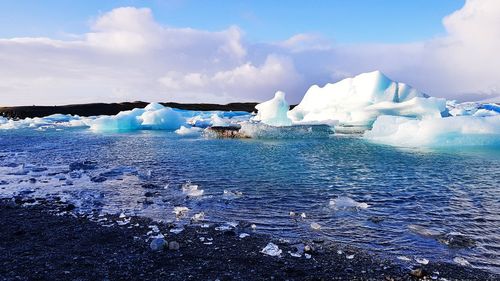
x=272, y=250
x=436, y=132
x=274, y=112
x=359, y=100
x=344, y=203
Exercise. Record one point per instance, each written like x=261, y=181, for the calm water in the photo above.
x=422, y=199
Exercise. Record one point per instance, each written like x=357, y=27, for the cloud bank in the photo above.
x=126, y=55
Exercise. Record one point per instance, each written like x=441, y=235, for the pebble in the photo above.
x=174, y=245
x=157, y=244
x=418, y=272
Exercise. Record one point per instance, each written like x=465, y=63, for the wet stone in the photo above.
x=157, y=244
x=174, y=245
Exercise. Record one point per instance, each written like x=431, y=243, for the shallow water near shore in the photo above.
x=434, y=204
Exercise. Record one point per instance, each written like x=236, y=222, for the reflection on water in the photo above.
x=437, y=205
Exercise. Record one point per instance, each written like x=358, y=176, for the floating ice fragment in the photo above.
x=180, y=211
x=292, y=214
x=303, y=215
x=244, y=235
x=307, y=256
x=422, y=261
x=253, y=226
x=176, y=230
x=228, y=194
x=461, y=261
x=315, y=226
x=205, y=225
x=189, y=132
x=223, y=228
x=271, y=250
x=418, y=229
x=198, y=216
x=343, y=203
x=403, y=258
x=191, y=190
x=349, y=257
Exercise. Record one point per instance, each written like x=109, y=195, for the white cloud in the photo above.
x=127, y=55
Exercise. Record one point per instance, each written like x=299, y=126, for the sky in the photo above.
x=60, y=52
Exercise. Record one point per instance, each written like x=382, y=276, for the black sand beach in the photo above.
x=47, y=241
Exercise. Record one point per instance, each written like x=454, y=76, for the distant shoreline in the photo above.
x=95, y=109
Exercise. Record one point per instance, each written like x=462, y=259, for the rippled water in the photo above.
x=418, y=201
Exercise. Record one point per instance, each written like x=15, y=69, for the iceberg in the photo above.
x=436, y=132
x=153, y=117
x=358, y=101
x=274, y=112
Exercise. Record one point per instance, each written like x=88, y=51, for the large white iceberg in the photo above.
x=358, y=101
x=436, y=132
x=274, y=112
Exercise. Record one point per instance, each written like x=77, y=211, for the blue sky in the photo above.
x=353, y=21
x=59, y=52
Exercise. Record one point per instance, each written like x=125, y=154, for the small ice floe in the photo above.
x=461, y=261
x=292, y=214
x=180, y=211
x=229, y=194
x=223, y=228
x=315, y=226
x=123, y=222
x=403, y=258
x=166, y=186
x=340, y=252
x=253, y=226
x=307, y=256
x=191, y=190
x=303, y=215
x=272, y=250
x=244, y=235
x=420, y=230
x=422, y=261
x=346, y=203
x=122, y=216
x=176, y=230
x=198, y=217
x=349, y=257
x=205, y=225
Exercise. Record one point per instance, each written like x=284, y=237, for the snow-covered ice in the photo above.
x=436, y=132
x=274, y=112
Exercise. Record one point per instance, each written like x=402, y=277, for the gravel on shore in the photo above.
x=47, y=241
